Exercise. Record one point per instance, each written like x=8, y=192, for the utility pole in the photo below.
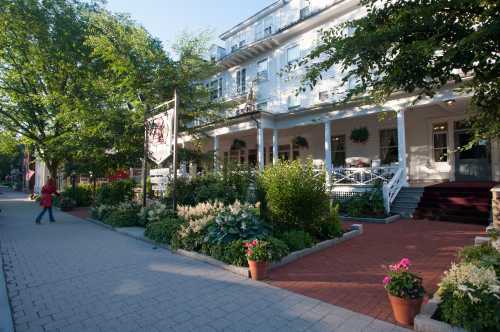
x=145, y=155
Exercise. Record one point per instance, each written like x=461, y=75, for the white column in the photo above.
x=328, y=150
x=260, y=147
x=216, y=153
x=402, y=143
x=275, y=146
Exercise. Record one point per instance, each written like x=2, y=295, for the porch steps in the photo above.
x=456, y=202
x=407, y=201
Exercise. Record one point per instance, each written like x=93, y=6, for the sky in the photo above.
x=167, y=19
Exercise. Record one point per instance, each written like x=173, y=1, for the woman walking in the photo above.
x=46, y=200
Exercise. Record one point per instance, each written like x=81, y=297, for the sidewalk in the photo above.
x=76, y=276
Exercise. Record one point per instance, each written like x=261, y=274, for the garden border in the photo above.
x=425, y=323
x=243, y=271
x=387, y=220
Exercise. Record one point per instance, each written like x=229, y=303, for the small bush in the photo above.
x=297, y=240
x=81, y=195
x=154, y=213
x=484, y=255
x=163, y=231
x=330, y=226
x=369, y=204
x=295, y=196
x=232, y=253
x=102, y=211
x=470, y=298
x=115, y=192
x=124, y=215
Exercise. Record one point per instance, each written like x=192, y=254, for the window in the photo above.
x=241, y=81
x=440, y=142
x=284, y=152
x=262, y=107
x=242, y=43
x=268, y=31
x=295, y=152
x=306, y=9
x=293, y=101
x=252, y=157
x=388, y=146
x=338, y=150
x=323, y=96
x=293, y=54
x=216, y=89
x=262, y=70
x=234, y=48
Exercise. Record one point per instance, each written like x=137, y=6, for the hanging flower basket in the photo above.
x=301, y=142
x=238, y=144
x=360, y=135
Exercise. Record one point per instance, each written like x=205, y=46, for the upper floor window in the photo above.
x=323, y=96
x=215, y=88
x=242, y=43
x=241, y=81
x=262, y=70
x=293, y=101
x=262, y=107
x=306, y=9
x=293, y=54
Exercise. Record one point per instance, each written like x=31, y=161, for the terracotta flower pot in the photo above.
x=405, y=310
x=258, y=270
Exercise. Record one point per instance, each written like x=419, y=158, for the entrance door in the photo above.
x=473, y=164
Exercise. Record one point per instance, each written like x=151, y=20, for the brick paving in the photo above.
x=76, y=276
x=350, y=274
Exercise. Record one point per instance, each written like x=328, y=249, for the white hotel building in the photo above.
x=414, y=144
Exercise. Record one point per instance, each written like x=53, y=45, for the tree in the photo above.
x=67, y=67
x=418, y=47
x=10, y=153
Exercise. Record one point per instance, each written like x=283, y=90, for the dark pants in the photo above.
x=40, y=216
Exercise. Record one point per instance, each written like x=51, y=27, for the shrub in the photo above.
x=369, y=204
x=400, y=282
x=236, y=222
x=115, y=192
x=470, y=297
x=102, y=211
x=154, y=213
x=81, y=195
x=163, y=231
x=484, y=255
x=124, y=215
x=232, y=253
x=297, y=240
x=295, y=196
x=65, y=203
x=330, y=226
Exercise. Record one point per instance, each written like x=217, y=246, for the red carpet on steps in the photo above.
x=462, y=202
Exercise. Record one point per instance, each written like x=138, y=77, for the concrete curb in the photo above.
x=6, y=323
x=424, y=322
x=387, y=220
x=356, y=231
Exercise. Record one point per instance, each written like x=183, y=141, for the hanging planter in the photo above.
x=238, y=144
x=301, y=142
x=360, y=135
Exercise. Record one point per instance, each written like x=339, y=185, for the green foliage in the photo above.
x=232, y=253
x=123, y=215
x=417, y=47
x=154, y=213
x=369, y=204
x=238, y=222
x=400, y=282
x=297, y=240
x=65, y=203
x=360, y=135
x=100, y=212
x=484, y=255
x=470, y=297
x=82, y=195
x=269, y=250
x=295, y=196
x=115, y=192
x=163, y=231
x=10, y=153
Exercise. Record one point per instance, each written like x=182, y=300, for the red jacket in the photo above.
x=47, y=191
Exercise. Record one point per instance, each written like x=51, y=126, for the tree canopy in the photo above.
x=418, y=46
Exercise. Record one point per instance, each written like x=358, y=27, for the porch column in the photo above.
x=328, y=150
x=216, y=153
x=402, y=143
x=275, y=146
x=260, y=147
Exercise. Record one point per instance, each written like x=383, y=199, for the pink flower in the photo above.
x=386, y=280
x=405, y=263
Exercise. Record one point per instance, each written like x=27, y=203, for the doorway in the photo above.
x=473, y=164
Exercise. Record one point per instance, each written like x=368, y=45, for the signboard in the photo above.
x=160, y=179
x=160, y=136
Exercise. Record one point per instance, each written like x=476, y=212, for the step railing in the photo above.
x=391, y=189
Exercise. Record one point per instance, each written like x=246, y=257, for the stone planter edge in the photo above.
x=424, y=323
x=386, y=220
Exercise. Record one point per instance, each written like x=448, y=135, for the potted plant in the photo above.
x=405, y=291
x=258, y=256
x=238, y=144
x=301, y=142
x=360, y=135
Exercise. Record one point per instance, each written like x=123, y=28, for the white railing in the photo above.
x=391, y=189
x=362, y=176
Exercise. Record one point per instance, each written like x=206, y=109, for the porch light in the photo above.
x=450, y=102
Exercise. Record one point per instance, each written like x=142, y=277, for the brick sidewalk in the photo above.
x=350, y=274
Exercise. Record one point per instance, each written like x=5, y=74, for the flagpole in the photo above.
x=174, y=163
